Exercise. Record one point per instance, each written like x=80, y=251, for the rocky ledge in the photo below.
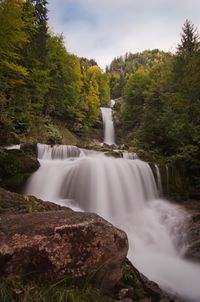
x=15, y=168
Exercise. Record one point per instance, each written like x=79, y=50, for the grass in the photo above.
x=12, y=290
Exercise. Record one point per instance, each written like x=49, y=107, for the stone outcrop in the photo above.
x=193, y=230
x=15, y=167
x=135, y=287
x=50, y=245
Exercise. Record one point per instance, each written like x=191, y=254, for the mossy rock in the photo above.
x=15, y=167
x=30, y=149
x=16, y=203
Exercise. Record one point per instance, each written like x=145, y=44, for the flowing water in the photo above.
x=109, y=131
x=124, y=192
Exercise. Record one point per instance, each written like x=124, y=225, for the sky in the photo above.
x=104, y=29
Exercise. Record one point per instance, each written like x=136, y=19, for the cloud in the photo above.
x=108, y=28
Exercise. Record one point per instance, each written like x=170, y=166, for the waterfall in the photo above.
x=57, y=151
x=112, y=103
x=159, y=182
x=16, y=147
x=130, y=155
x=109, y=131
x=124, y=192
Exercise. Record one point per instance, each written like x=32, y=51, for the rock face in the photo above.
x=135, y=287
x=50, y=245
x=15, y=167
x=193, y=230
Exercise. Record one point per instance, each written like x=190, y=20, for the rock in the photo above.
x=15, y=167
x=133, y=285
x=50, y=245
x=13, y=203
x=125, y=293
x=193, y=230
x=29, y=149
x=126, y=300
x=113, y=154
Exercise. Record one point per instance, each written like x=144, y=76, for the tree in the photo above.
x=97, y=74
x=13, y=38
x=134, y=95
x=189, y=39
x=63, y=97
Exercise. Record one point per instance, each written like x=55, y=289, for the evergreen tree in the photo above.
x=189, y=39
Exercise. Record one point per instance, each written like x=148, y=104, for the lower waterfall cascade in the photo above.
x=124, y=192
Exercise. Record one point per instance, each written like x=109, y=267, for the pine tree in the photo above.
x=189, y=39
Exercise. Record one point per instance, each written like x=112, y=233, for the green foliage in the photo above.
x=13, y=38
x=62, y=291
x=134, y=95
x=189, y=39
x=122, y=68
x=40, y=79
x=53, y=135
x=161, y=111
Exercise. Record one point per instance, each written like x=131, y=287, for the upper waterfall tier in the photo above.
x=109, y=131
x=57, y=151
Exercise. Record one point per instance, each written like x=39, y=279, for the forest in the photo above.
x=160, y=103
x=50, y=95
x=42, y=84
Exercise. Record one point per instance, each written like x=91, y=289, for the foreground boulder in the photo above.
x=56, y=244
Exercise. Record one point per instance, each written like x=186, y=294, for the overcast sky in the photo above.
x=104, y=29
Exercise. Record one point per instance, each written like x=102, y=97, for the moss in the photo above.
x=15, y=167
x=16, y=203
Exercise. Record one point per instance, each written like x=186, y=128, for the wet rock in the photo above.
x=137, y=287
x=113, y=154
x=13, y=203
x=50, y=245
x=193, y=230
x=125, y=293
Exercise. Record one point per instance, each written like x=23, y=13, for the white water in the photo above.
x=124, y=192
x=16, y=147
x=109, y=132
x=130, y=155
x=159, y=182
x=112, y=103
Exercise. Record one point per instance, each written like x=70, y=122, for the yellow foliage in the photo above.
x=18, y=69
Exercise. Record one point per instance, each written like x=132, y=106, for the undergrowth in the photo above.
x=15, y=291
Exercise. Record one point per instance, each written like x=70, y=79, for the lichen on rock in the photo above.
x=57, y=244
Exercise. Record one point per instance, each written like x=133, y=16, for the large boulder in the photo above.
x=15, y=167
x=50, y=245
